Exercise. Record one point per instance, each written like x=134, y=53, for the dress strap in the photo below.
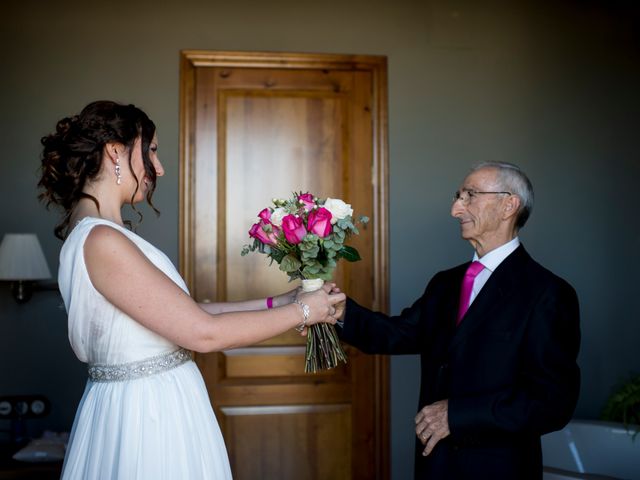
x=139, y=369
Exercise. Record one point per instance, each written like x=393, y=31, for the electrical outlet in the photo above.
x=24, y=406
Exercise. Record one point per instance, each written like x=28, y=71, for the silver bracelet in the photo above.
x=305, y=313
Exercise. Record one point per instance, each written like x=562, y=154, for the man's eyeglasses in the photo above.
x=467, y=196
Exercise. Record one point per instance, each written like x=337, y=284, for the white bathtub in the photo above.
x=591, y=449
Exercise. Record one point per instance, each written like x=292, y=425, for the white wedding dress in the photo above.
x=145, y=412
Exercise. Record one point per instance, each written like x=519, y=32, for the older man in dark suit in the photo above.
x=498, y=339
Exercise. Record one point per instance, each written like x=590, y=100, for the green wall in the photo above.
x=552, y=86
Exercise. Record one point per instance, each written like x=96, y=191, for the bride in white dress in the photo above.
x=145, y=412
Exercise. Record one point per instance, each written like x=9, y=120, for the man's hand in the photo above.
x=340, y=307
x=432, y=424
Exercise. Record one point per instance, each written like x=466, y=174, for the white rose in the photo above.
x=277, y=215
x=338, y=209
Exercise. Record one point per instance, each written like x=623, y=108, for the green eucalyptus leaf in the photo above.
x=290, y=263
x=310, y=255
x=345, y=224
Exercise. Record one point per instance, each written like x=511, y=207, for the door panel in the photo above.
x=276, y=143
x=314, y=442
x=256, y=126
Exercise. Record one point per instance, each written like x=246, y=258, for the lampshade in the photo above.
x=21, y=258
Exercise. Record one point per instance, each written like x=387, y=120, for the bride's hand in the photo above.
x=322, y=305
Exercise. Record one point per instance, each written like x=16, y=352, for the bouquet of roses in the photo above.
x=306, y=236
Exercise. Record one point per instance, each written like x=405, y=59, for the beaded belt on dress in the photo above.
x=139, y=369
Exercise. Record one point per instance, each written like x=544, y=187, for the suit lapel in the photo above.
x=494, y=293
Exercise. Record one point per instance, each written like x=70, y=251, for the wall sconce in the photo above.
x=22, y=262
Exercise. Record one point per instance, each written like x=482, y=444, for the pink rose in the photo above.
x=319, y=222
x=265, y=215
x=293, y=228
x=268, y=238
x=307, y=201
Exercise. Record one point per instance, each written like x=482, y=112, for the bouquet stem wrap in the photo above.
x=324, y=350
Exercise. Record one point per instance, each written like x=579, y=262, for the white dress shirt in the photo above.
x=490, y=261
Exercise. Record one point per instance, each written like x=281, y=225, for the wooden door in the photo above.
x=254, y=127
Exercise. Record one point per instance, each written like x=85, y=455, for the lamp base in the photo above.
x=22, y=290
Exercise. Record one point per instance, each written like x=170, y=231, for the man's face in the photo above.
x=481, y=214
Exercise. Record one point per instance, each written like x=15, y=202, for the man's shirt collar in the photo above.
x=496, y=256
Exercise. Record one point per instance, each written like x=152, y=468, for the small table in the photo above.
x=13, y=469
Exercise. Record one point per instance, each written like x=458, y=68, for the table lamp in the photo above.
x=22, y=262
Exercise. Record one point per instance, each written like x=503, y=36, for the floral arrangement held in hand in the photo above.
x=306, y=236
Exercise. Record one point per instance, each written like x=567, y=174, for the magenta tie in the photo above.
x=467, y=286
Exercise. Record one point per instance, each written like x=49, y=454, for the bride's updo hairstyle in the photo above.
x=72, y=155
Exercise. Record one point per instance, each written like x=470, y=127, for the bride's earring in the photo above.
x=118, y=175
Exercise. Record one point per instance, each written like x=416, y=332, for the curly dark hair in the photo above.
x=72, y=155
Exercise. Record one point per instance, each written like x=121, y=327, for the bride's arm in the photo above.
x=247, y=305
x=128, y=280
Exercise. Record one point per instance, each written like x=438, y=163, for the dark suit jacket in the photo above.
x=509, y=370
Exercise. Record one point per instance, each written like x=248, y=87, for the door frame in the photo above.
x=190, y=61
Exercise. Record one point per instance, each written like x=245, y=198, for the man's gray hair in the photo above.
x=512, y=179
